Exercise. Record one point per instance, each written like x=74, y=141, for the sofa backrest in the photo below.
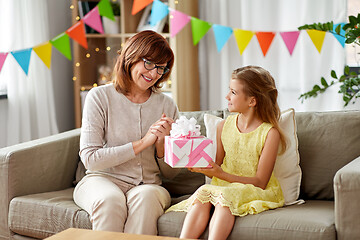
x=327, y=142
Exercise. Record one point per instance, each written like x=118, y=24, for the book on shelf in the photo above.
x=84, y=8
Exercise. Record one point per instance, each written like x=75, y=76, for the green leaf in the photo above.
x=333, y=74
x=346, y=70
x=316, y=88
x=338, y=29
x=352, y=20
x=324, y=82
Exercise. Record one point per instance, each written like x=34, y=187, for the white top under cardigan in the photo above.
x=110, y=123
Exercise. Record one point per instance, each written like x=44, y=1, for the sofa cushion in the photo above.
x=312, y=220
x=42, y=215
x=287, y=169
x=327, y=142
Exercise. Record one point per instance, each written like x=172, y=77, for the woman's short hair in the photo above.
x=146, y=44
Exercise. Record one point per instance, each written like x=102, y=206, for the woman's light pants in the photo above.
x=117, y=206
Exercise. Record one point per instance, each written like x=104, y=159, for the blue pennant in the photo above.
x=341, y=38
x=23, y=58
x=222, y=35
x=159, y=10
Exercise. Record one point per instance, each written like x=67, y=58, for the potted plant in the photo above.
x=349, y=82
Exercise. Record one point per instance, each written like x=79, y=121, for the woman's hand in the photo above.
x=160, y=129
x=214, y=171
x=148, y=140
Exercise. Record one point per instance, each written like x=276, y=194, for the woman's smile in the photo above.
x=146, y=78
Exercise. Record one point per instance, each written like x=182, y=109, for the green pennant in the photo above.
x=105, y=9
x=62, y=43
x=199, y=29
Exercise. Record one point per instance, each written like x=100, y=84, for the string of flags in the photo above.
x=178, y=20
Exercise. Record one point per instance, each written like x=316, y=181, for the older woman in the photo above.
x=122, y=140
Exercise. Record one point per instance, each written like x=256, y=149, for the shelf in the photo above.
x=183, y=85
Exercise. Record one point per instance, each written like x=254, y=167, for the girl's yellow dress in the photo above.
x=242, y=153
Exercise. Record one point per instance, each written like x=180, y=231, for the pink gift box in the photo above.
x=189, y=152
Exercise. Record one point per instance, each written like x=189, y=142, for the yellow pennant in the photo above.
x=317, y=37
x=243, y=38
x=44, y=52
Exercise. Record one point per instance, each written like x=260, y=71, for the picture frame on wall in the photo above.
x=144, y=23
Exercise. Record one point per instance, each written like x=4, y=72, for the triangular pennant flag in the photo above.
x=199, y=29
x=159, y=10
x=317, y=37
x=2, y=59
x=77, y=32
x=93, y=20
x=178, y=21
x=341, y=37
x=105, y=9
x=222, y=35
x=23, y=58
x=265, y=39
x=44, y=53
x=290, y=39
x=243, y=38
x=62, y=43
x=139, y=5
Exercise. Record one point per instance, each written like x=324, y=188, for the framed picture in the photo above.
x=144, y=23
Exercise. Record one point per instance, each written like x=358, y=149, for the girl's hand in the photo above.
x=214, y=171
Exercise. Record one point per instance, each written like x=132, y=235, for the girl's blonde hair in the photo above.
x=260, y=84
x=146, y=44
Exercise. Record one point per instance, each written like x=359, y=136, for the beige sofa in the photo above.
x=37, y=180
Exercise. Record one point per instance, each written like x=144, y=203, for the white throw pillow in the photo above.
x=287, y=169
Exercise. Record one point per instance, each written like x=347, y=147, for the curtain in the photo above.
x=30, y=111
x=294, y=74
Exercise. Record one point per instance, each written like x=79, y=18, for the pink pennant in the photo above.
x=93, y=20
x=178, y=21
x=290, y=39
x=2, y=59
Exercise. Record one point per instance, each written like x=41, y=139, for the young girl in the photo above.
x=247, y=146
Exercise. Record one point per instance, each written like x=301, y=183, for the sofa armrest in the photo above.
x=42, y=165
x=347, y=196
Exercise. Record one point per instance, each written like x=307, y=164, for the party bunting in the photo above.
x=44, y=53
x=341, y=37
x=317, y=37
x=243, y=38
x=138, y=5
x=2, y=59
x=62, y=43
x=265, y=39
x=199, y=29
x=105, y=9
x=178, y=21
x=23, y=58
x=290, y=39
x=77, y=32
x=222, y=35
x=93, y=20
x=159, y=10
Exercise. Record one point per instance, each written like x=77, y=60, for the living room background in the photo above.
x=294, y=74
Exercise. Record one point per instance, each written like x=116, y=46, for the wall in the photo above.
x=62, y=72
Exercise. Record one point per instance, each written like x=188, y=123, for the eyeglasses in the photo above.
x=161, y=70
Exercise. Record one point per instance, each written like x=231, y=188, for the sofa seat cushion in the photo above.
x=312, y=220
x=44, y=214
